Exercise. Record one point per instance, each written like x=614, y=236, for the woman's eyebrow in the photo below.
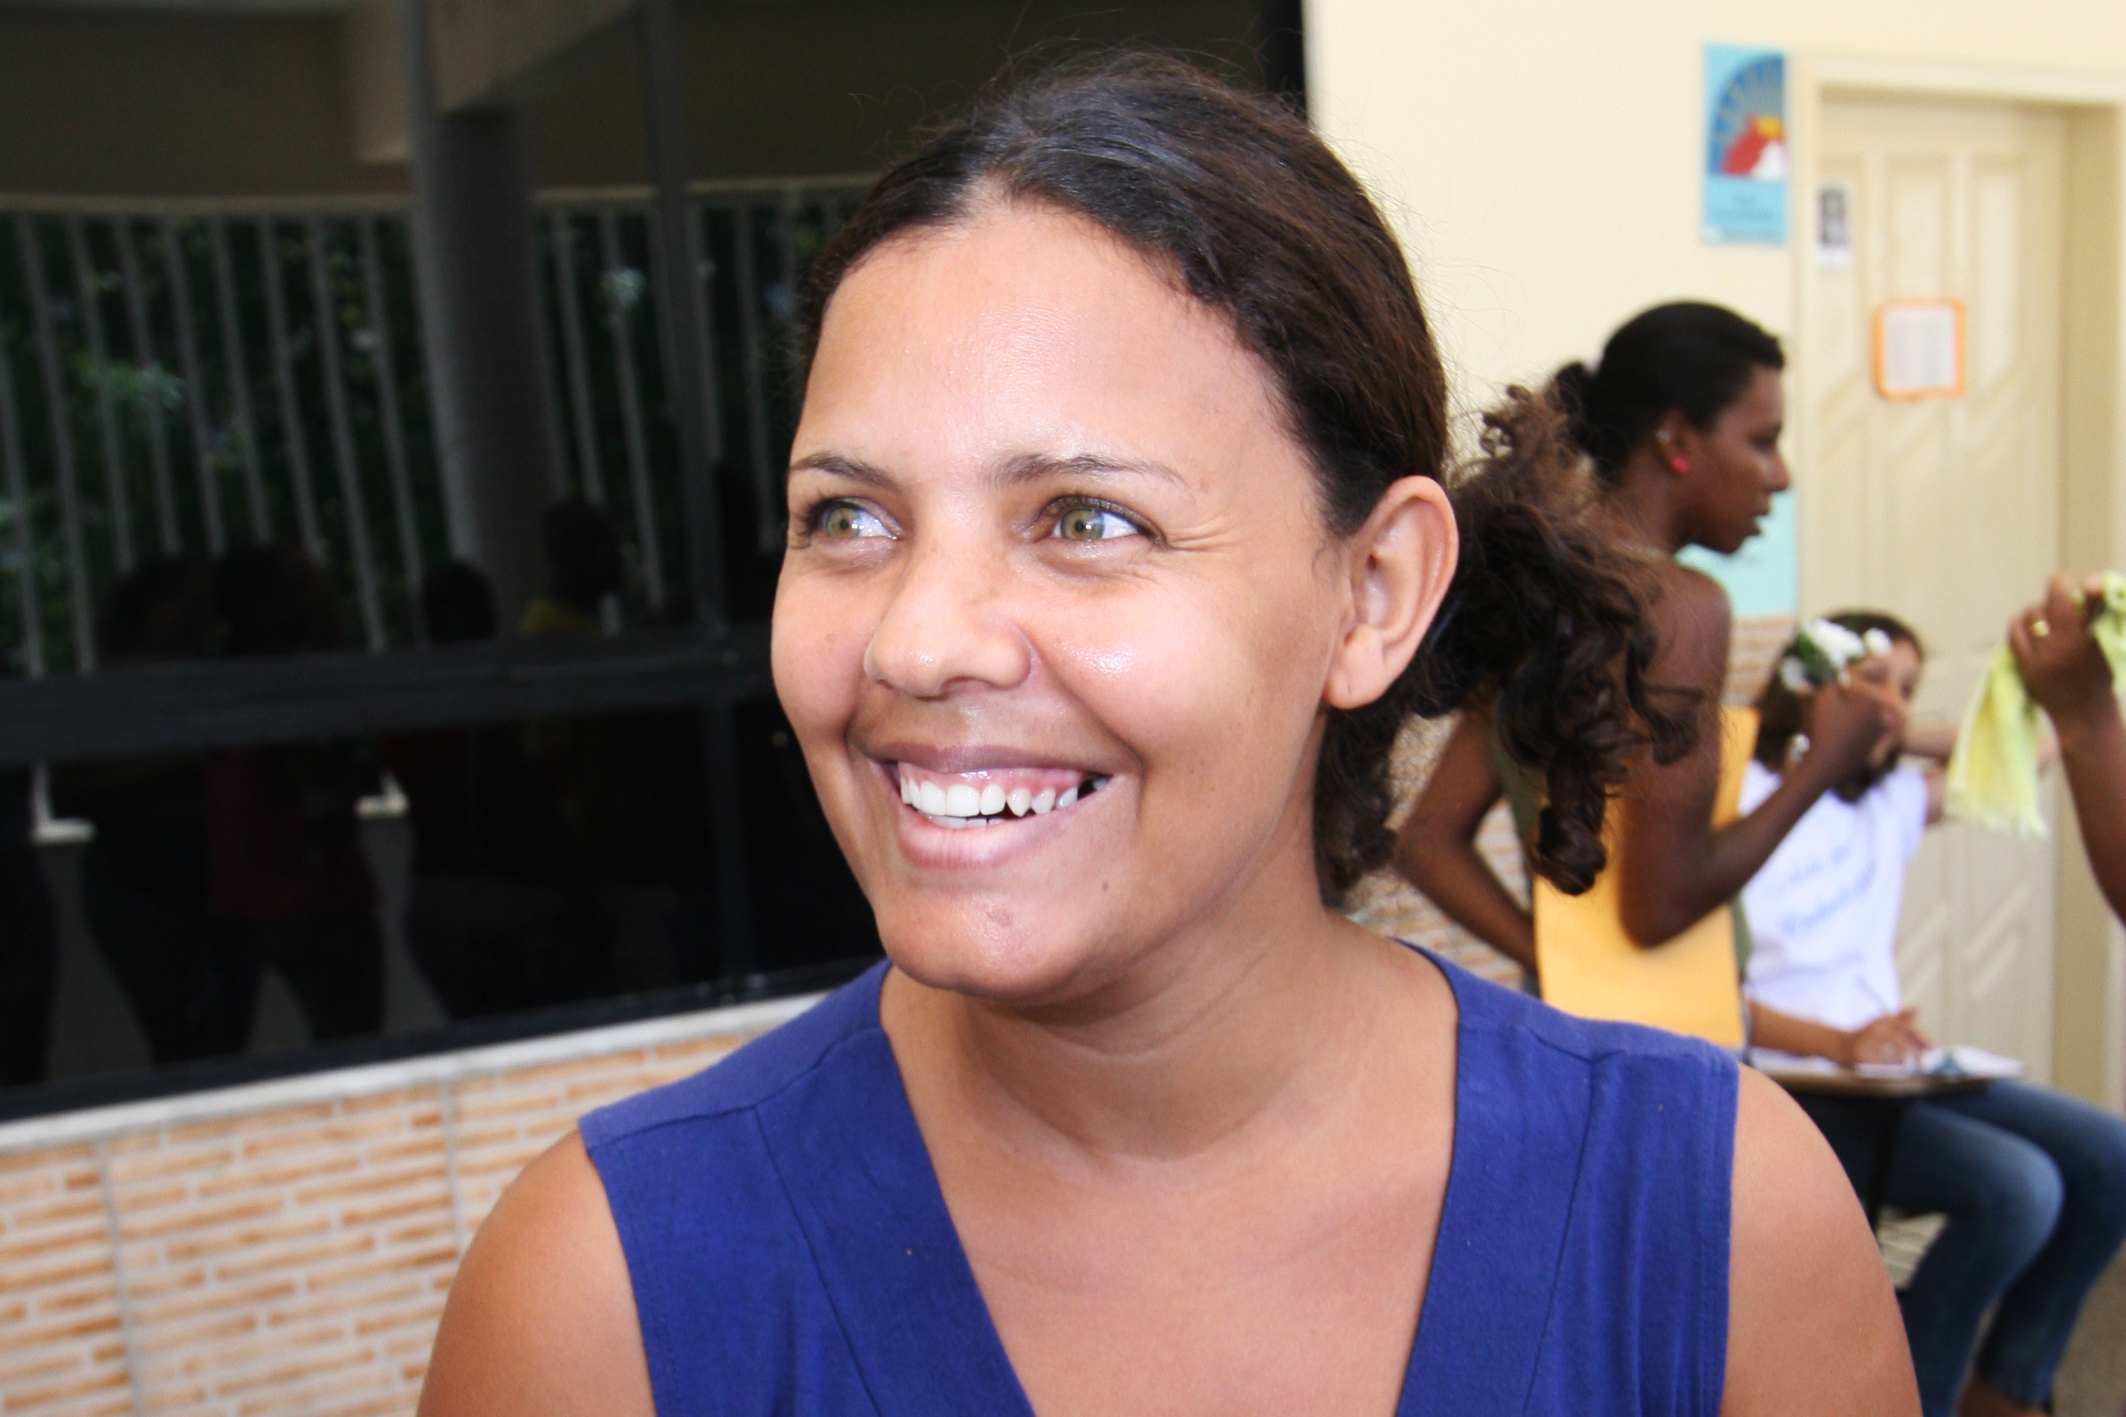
x=1025, y=467
x=1029, y=467
x=838, y=465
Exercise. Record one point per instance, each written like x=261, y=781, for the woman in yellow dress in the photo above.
x=1680, y=424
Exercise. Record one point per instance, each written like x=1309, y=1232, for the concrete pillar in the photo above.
x=488, y=376
x=685, y=316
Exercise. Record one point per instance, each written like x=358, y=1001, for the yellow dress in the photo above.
x=1589, y=966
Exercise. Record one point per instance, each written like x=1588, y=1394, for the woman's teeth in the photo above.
x=967, y=805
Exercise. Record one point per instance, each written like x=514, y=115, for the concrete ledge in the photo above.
x=100, y=1123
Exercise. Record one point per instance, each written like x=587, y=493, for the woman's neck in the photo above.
x=1645, y=495
x=1242, y=1022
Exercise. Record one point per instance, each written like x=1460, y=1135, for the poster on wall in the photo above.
x=1745, y=145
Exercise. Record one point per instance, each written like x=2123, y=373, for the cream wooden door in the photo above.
x=1945, y=512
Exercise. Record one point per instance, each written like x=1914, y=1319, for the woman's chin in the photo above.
x=995, y=959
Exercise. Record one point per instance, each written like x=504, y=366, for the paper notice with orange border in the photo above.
x=1919, y=349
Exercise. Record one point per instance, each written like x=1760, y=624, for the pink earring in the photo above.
x=1677, y=464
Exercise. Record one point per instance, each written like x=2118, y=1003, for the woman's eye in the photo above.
x=846, y=521
x=1094, y=524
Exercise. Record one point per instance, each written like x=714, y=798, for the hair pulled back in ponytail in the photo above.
x=1255, y=217
x=1546, y=624
x=1688, y=357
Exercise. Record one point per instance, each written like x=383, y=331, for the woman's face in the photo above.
x=1894, y=679
x=1735, y=466
x=1059, y=612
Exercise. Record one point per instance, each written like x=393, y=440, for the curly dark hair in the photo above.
x=1256, y=218
x=1547, y=624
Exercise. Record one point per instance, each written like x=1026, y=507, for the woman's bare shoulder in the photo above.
x=1691, y=600
x=541, y=1320
x=1812, y=1321
x=1693, y=619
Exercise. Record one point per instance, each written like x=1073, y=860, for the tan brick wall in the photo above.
x=62, y=1341
x=285, y=1248
x=1752, y=650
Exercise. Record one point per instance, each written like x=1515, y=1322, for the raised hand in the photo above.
x=1845, y=724
x=2061, y=665
x=2068, y=677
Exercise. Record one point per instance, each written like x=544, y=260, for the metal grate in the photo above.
x=170, y=386
x=602, y=272
x=174, y=385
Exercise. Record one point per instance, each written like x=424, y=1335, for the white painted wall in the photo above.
x=1542, y=157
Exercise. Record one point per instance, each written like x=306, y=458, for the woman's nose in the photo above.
x=947, y=626
x=1781, y=477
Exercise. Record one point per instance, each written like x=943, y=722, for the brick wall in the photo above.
x=285, y=1248
x=1753, y=647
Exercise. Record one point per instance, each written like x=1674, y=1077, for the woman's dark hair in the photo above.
x=161, y=609
x=583, y=559
x=1779, y=708
x=1254, y=217
x=274, y=598
x=457, y=604
x=1687, y=357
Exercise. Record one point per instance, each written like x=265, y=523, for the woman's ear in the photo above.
x=1677, y=441
x=1400, y=563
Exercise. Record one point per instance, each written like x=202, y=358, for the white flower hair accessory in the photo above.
x=1821, y=650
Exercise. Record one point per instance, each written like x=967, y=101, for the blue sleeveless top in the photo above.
x=791, y=1253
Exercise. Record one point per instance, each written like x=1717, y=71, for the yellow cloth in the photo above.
x=1589, y=966
x=1993, y=772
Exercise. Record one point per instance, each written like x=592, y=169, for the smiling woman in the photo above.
x=1119, y=549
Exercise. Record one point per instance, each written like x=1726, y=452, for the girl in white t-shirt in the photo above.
x=1822, y=971
x=2033, y=1183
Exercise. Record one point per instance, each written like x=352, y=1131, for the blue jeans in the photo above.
x=2034, y=1186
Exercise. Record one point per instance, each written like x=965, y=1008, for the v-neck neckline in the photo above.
x=860, y=1181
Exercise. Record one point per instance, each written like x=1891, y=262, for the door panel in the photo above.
x=1945, y=512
